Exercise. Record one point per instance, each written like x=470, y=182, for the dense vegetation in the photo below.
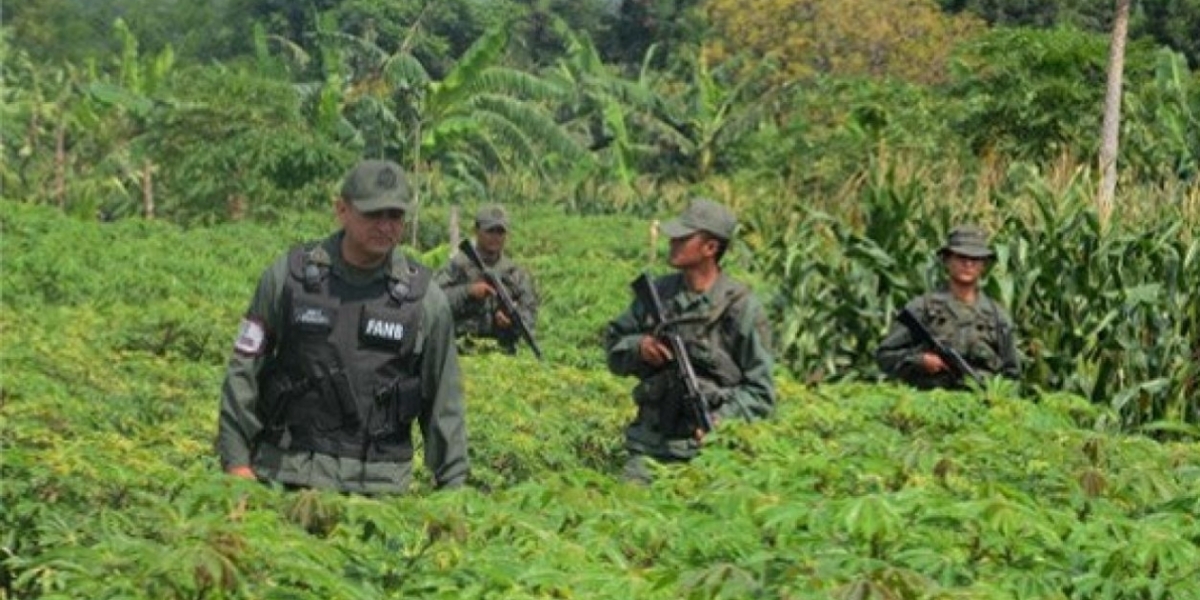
x=115, y=338
x=155, y=155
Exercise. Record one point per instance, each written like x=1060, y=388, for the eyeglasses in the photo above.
x=496, y=230
x=390, y=214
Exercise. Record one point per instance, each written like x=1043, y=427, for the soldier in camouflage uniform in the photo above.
x=477, y=310
x=723, y=327
x=345, y=344
x=960, y=316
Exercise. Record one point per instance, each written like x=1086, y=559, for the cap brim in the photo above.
x=967, y=252
x=485, y=225
x=376, y=204
x=676, y=229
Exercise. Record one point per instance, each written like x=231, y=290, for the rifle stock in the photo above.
x=506, y=302
x=644, y=290
x=948, y=354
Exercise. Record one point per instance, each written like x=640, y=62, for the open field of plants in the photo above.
x=114, y=338
x=156, y=156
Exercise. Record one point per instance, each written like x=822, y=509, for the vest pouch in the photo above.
x=326, y=404
x=396, y=406
x=653, y=389
x=277, y=392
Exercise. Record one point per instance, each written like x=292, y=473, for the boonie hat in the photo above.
x=490, y=216
x=375, y=185
x=702, y=214
x=969, y=241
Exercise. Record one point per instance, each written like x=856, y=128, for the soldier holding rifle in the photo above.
x=956, y=334
x=490, y=295
x=702, y=357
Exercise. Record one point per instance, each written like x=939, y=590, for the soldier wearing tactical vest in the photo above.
x=346, y=344
x=960, y=316
x=477, y=311
x=724, y=330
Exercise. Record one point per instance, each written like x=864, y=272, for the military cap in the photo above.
x=967, y=240
x=375, y=185
x=702, y=214
x=491, y=216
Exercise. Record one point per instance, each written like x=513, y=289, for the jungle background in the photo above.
x=158, y=154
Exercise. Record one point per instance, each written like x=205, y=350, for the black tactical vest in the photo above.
x=345, y=380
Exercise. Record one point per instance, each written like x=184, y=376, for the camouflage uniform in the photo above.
x=475, y=318
x=333, y=365
x=981, y=332
x=727, y=336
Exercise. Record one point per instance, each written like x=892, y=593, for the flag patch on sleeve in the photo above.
x=251, y=339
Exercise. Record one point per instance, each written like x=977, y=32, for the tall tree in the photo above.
x=1112, y=111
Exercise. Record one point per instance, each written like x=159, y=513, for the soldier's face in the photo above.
x=491, y=240
x=692, y=250
x=964, y=270
x=370, y=235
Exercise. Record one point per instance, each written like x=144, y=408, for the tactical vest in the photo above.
x=477, y=318
x=981, y=342
x=345, y=380
x=706, y=336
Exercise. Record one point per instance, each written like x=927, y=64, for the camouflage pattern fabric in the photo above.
x=476, y=318
x=982, y=332
x=727, y=336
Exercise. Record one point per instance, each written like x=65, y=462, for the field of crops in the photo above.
x=114, y=337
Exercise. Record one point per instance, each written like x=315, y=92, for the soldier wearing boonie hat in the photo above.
x=960, y=316
x=322, y=389
x=722, y=324
x=477, y=311
x=968, y=241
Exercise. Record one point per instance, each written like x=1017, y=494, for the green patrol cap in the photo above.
x=967, y=240
x=375, y=185
x=702, y=214
x=490, y=216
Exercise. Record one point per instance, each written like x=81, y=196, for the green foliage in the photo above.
x=1168, y=22
x=1118, y=324
x=1034, y=94
x=111, y=489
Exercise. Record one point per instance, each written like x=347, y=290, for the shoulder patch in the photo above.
x=251, y=339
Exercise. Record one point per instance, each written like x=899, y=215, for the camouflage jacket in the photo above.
x=982, y=332
x=474, y=317
x=728, y=339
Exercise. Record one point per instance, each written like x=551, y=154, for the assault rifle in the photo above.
x=647, y=294
x=948, y=354
x=506, y=302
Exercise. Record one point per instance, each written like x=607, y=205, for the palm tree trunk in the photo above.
x=1110, y=130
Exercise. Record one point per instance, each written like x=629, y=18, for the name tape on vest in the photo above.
x=387, y=330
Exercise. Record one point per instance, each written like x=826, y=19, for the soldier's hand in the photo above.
x=242, y=471
x=502, y=320
x=932, y=363
x=699, y=434
x=653, y=352
x=480, y=290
